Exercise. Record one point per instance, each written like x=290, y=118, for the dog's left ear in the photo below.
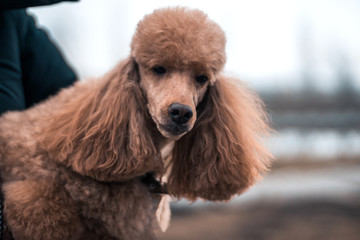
x=223, y=154
x=103, y=131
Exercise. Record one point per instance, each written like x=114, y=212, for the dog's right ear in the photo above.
x=224, y=154
x=102, y=130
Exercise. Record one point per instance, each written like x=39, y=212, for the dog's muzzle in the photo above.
x=180, y=113
x=179, y=116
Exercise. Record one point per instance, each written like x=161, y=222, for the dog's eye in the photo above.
x=159, y=70
x=201, y=78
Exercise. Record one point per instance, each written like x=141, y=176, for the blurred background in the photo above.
x=303, y=58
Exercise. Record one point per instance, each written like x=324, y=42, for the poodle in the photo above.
x=99, y=159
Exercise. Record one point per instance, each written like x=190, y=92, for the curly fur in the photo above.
x=222, y=155
x=105, y=139
x=72, y=165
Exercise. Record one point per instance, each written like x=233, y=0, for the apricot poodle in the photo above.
x=85, y=163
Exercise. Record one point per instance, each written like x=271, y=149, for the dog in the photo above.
x=91, y=162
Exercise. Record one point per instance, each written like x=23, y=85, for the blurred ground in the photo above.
x=299, y=202
x=305, y=220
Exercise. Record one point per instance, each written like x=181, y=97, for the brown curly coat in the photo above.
x=72, y=165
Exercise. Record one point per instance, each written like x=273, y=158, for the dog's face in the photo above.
x=173, y=95
x=179, y=53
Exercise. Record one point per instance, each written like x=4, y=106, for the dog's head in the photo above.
x=179, y=53
x=176, y=58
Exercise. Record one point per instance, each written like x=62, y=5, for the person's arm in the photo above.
x=11, y=86
x=12, y=4
x=31, y=66
x=44, y=69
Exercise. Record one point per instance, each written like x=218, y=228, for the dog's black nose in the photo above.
x=180, y=113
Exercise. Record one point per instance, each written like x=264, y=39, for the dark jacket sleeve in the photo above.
x=12, y=4
x=31, y=66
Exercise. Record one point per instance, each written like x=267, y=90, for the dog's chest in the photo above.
x=117, y=207
x=166, y=156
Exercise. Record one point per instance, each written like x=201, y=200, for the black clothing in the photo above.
x=12, y=4
x=31, y=67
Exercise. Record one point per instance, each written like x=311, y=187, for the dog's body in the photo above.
x=73, y=165
x=44, y=200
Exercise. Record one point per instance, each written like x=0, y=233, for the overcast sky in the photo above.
x=270, y=43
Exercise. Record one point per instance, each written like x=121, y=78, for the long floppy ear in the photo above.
x=102, y=131
x=223, y=154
